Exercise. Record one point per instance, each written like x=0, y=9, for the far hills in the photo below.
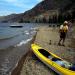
x=45, y=11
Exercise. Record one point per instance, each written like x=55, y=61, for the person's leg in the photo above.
x=59, y=41
x=63, y=41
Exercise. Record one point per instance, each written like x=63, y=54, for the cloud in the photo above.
x=18, y=3
x=17, y=6
x=22, y=3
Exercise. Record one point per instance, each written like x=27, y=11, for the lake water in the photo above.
x=12, y=36
x=14, y=43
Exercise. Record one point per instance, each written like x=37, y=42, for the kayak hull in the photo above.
x=53, y=65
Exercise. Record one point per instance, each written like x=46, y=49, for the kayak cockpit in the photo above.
x=59, y=61
x=48, y=55
x=44, y=52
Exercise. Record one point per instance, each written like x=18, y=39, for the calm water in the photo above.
x=12, y=36
x=14, y=43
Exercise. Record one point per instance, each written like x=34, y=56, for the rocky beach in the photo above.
x=48, y=38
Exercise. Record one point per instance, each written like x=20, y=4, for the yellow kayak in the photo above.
x=57, y=64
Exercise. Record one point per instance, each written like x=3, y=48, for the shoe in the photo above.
x=63, y=45
x=59, y=44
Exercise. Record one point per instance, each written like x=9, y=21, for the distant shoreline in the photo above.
x=18, y=67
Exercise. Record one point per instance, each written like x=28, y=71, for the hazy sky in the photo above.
x=16, y=6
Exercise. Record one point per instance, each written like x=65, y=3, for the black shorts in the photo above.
x=63, y=35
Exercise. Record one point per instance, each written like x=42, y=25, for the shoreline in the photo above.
x=18, y=66
x=43, y=37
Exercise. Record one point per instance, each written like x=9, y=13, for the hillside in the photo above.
x=49, y=9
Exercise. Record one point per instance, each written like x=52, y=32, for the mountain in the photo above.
x=10, y=18
x=45, y=10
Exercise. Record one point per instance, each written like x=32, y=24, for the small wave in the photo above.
x=26, y=32
x=33, y=32
x=36, y=28
x=30, y=32
x=23, y=42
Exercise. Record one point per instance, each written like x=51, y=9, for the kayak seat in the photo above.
x=44, y=52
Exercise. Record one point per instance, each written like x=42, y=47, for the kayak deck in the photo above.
x=64, y=64
x=57, y=64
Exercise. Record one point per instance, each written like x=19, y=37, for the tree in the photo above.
x=44, y=20
x=36, y=21
x=21, y=21
x=54, y=19
x=73, y=14
x=49, y=21
x=60, y=18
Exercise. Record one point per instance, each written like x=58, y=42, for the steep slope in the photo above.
x=49, y=6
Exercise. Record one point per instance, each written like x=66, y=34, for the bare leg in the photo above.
x=63, y=41
x=60, y=41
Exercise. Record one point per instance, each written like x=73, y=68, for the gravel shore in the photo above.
x=48, y=38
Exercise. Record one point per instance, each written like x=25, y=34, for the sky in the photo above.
x=16, y=6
